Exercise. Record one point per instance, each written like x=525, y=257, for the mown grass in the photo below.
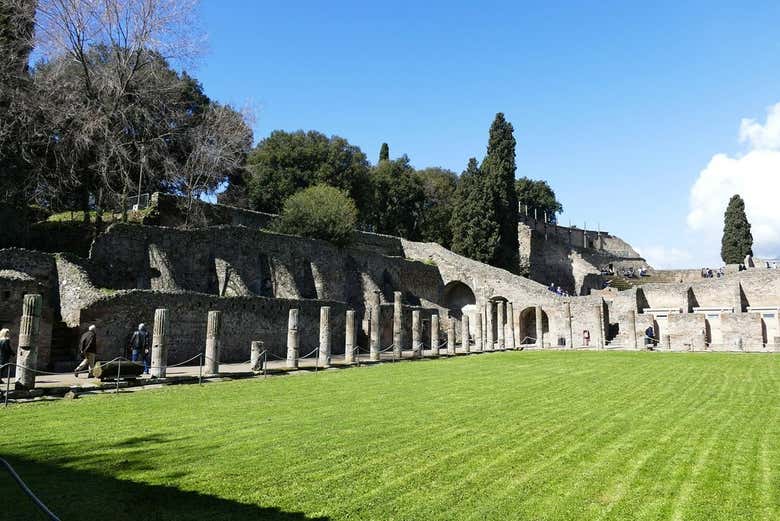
x=522, y=435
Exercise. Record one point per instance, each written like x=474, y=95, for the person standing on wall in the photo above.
x=5, y=352
x=88, y=350
x=140, y=343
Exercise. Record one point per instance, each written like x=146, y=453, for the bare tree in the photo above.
x=218, y=147
x=110, y=101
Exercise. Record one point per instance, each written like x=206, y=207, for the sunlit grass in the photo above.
x=527, y=435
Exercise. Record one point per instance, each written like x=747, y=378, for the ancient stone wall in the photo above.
x=237, y=261
x=743, y=329
x=13, y=286
x=687, y=331
x=244, y=319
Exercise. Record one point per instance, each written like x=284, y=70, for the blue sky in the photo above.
x=619, y=106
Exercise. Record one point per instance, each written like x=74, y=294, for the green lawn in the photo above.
x=505, y=436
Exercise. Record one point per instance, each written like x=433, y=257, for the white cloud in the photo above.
x=762, y=137
x=755, y=176
x=661, y=257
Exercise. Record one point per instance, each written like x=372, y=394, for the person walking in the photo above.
x=139, y=346
x=5, y=352
x=88, y=350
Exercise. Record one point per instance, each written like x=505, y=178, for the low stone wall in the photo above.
x=244, y=319
x=13, y=287
x=686, y=331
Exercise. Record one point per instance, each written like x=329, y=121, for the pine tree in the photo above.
x=474, y=223
x=737, y=240
x=384, y=152
x=498, y=169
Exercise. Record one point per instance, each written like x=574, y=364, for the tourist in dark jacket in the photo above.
x=88, y=350
x=140, y=344
x=5, y=351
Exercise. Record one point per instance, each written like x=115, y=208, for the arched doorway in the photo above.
x=457, y=296
x=528, y=325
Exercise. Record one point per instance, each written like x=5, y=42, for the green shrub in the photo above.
x=319, y=212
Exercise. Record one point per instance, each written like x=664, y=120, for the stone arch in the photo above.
x=456, y=296
x=528, y=325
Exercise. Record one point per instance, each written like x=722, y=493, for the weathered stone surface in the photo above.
x=160, y=343
x=478, y=339
x=293, y=340
x=398, y=315
x=213, y=334
x=510, y=326
x=501, y=325
x=464, y=333
x=417, y=343
x=323, y=354
x=451, y=338
x=27, y=353
x=256, y=355
x=435, y=335
x=349, y=337
x=376, y=330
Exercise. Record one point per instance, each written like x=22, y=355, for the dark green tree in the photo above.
x=16, y=30
x=384, y=152
x=398, y=199
x=498, y=168
x=439, y=187
x=319, y=212
x=737, y=240
x=474, y=223
x=538, y=199
x=287, y=162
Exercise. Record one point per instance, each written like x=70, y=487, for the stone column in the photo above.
x=737, y=292
x=213, y=333
x=567, y=318
x=349, y=337
x=255, y=356
x=632, y=339
x=416, y=334
x=160, y=343
x=27, y=352
x=434, y=335
x=376, y=333
x=451, y=337
x=323, y=355
x=539, y=326
x=464, y=333
x=483, y=311
x=600, y=322
x=516, y=329
x=489, y=326
x=478, y=345
x=292, y=340
x=500, y=325
x=398, y=316
x=510, y=329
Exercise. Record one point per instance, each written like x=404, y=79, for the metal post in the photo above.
x=118, y=373
x=7, y=382
x=200, y=368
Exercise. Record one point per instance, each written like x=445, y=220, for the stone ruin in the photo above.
x=398, y=293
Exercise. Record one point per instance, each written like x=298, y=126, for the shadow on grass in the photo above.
x=76, y=494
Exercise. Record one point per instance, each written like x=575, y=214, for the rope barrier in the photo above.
x=38, y=503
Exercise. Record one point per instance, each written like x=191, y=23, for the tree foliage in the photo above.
x=737, y=240
x=474, y=222
x=384, y=152
x=319, y=212
x=287, y=162
x=398, y=199
x=16, y=33
x=498, y=169
x=439, y=187
x=537, y=198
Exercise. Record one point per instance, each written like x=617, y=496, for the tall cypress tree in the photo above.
x=737, y=240
x=498, y=168
x=475, y=226
x=384, y=152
